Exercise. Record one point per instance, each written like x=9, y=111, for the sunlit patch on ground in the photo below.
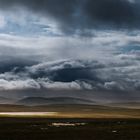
x=28, y=114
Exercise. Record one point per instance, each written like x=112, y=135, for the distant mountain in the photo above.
x=132, y=105
x=34, y=101
x=4, y=100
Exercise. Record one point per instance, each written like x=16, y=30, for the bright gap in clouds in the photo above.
x=24, y=23
x=2, y=21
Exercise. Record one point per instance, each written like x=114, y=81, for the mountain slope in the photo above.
x=4, y=100
x=34, y=101
x=133, y=105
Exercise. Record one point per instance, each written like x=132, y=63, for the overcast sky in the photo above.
x=70, y=45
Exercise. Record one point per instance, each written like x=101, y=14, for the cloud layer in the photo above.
x=74, y=75
x=80, y=16
x=107, y=61
x=74, y=45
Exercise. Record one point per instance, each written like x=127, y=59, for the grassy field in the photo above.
x=69, y=129
x=69, y=111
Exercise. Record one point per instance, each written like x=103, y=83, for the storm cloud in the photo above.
x=108, y=62
x=80, y=16
x=73, y=75
x=85, y=46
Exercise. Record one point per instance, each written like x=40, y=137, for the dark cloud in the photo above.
x=67, y=71
x=73, y=15
x=115, y=11
x=14, y=63
x=73, y=74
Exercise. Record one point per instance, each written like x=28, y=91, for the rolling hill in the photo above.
x=35, y=101
x=4, y=100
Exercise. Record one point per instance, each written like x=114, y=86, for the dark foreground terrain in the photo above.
x=69, y=129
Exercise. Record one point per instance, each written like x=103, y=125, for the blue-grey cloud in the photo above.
x=98, y=63
x=88, y=75
x=81, y=16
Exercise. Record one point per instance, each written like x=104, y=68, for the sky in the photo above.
x=70, y=45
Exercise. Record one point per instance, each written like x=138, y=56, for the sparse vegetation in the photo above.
x=92, y=129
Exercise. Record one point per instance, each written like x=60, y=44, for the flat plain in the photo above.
x=69, y=122
x=69, y=129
